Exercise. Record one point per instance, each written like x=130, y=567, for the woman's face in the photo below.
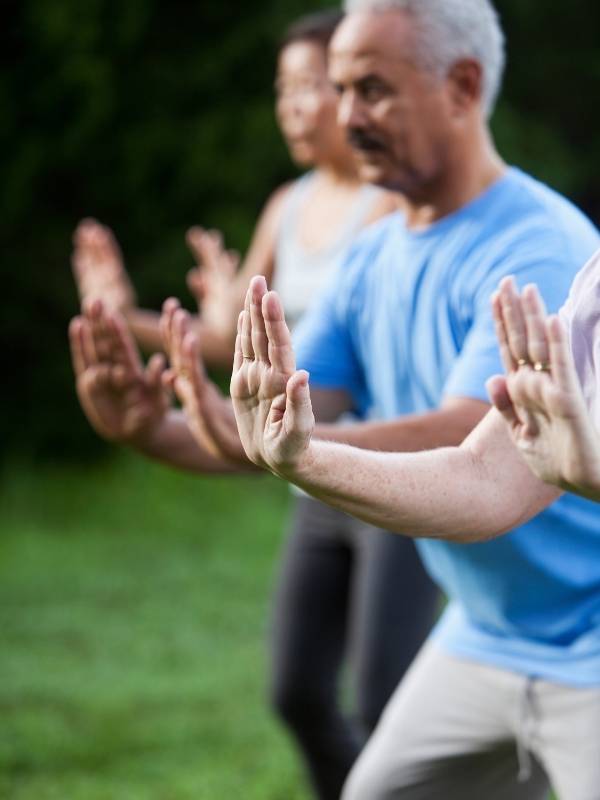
x=307, y=104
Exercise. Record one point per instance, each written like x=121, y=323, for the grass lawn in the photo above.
x=133, y=619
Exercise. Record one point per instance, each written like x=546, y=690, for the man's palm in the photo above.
x=270, y=399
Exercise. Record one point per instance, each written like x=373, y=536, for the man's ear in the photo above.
x=465, y=81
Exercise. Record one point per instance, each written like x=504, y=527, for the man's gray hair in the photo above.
x=448, y=30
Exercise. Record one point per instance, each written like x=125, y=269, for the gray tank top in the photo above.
x=300, y=275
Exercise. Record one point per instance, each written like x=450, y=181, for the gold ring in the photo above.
x=248, y=358
x=522, y=362
x=541, y=366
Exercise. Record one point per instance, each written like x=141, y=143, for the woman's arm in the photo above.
x=100, y=273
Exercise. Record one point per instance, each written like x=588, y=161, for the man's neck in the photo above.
x=469, y=175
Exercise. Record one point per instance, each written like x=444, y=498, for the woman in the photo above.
x=343, y=589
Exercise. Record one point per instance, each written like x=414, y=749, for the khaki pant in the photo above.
x=460, y=730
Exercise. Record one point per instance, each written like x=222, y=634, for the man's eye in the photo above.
x=372, y=92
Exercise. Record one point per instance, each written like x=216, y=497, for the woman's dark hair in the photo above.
x=317, y=27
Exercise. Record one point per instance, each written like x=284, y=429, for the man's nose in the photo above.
x=350, y=112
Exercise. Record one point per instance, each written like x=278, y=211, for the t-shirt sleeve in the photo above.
x=479, y=358
x=581, y=317
x=585, y=281
x=323, y=340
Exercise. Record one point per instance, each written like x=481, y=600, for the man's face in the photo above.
x=396, y=115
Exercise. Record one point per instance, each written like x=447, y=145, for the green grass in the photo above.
x=133, y=619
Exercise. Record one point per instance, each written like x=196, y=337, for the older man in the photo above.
x=506, y=695
x=510, y=678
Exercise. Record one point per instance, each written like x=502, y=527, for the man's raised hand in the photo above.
x=271, y=400
x=122, y=400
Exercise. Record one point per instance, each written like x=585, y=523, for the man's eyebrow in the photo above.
x=370, y=76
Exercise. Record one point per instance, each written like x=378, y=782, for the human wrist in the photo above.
x=301, y=470
x=149, y=439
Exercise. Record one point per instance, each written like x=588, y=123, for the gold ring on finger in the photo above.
x=541, y=366
x=522, y=362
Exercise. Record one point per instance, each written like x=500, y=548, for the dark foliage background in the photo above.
x=152, y=115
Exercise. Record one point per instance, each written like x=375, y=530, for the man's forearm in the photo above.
x=440, y=428
x=172, y=443
x=466, y=493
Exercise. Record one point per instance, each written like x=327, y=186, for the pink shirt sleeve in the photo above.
x=581, y=316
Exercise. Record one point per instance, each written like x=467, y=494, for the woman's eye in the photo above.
x=297, y=89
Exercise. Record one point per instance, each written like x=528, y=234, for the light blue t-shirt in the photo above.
x=405, y=321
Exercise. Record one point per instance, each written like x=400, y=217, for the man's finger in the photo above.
x=238, y=357
x=298, y=419
x=246, y=331
x=281, y=352
x=260, y=344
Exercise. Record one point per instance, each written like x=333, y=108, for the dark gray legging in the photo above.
x=345, y=588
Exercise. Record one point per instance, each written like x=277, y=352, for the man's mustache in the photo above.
x=362, y=141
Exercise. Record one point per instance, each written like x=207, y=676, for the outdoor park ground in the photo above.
x=133, y=620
